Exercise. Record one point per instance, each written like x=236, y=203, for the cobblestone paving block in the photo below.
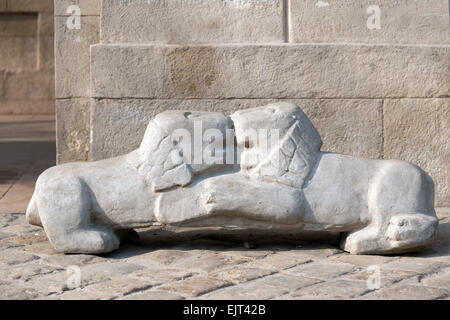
x=319, y=252
x=15, y=256
x=61, y=260
x=195, y=286
x=252, y=290
x=418, y=265
x=153, y=295
x=362, y=260
x=387, y=277
x=438, y=280
x=287, y=281
x=207, y=261
x=323, y=271
x=30, y=239
x=281, y=260
x=21, y=229
x=78, y=294
x=6, y=219
x=45, y=285
x=335, y=289
x=27, y=271
x=120, y=287
x=247, y=253
x=240, y=274
x=162, y=276
x=10, y=291
x=109, y=270
x=158, y=258
x=5, y=244
x=408, y=292
x=5, y=235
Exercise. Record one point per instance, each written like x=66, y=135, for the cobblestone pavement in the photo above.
x=182, y=264
x=178, y=264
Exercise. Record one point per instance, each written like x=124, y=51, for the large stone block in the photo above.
x=418, y=131
x=192, y=21
x=87, y=7
x=30, y=5
x=28, y=85
x=18, y=53
x=72, y=56
x=46, y=24
x=72, y=134
x=351, y=126
x=18, y=25
x=2, y=5
x=27, y=106
x=401, y=21
x=18, y=41
x=269, y=71
x=47, y=56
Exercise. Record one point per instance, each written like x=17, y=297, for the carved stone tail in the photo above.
x=33, y=213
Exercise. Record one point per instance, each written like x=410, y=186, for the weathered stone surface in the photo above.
x=288, y=282
x=347, y=21
x=87, y=7
x=18, y=41
x=280, y=261
x=156, y=277
x=119, y=287
x=47, y=25
x=28, y=86
x=15, y=256
x=195, y=286
x=199, y=21
x=322, y=271
x=290, y=71
x=362, y=260
x=418, y=265
x=387, y=277
x=26, y=272
x=409, y=293
x=47, y=57
x=30, y=5
x=72, y=56
x=153, y=295
x=247, y=291
x=337, y=289
x=439, y=280
x=10, y=292
x=240, y=275
x=27, y=107
x=418, y=130
x=26, y=57
x=73, y=130
x=351, y=126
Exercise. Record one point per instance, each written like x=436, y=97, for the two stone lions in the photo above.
x=379, y=206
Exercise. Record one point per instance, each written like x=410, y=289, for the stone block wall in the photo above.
x=26, y=57
x=377, y=88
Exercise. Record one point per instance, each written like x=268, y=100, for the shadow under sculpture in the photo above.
x=282, y=181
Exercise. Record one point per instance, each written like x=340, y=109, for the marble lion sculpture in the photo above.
x=378, y=206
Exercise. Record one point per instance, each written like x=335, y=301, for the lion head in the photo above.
x=277, y=142
x=174, y=146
